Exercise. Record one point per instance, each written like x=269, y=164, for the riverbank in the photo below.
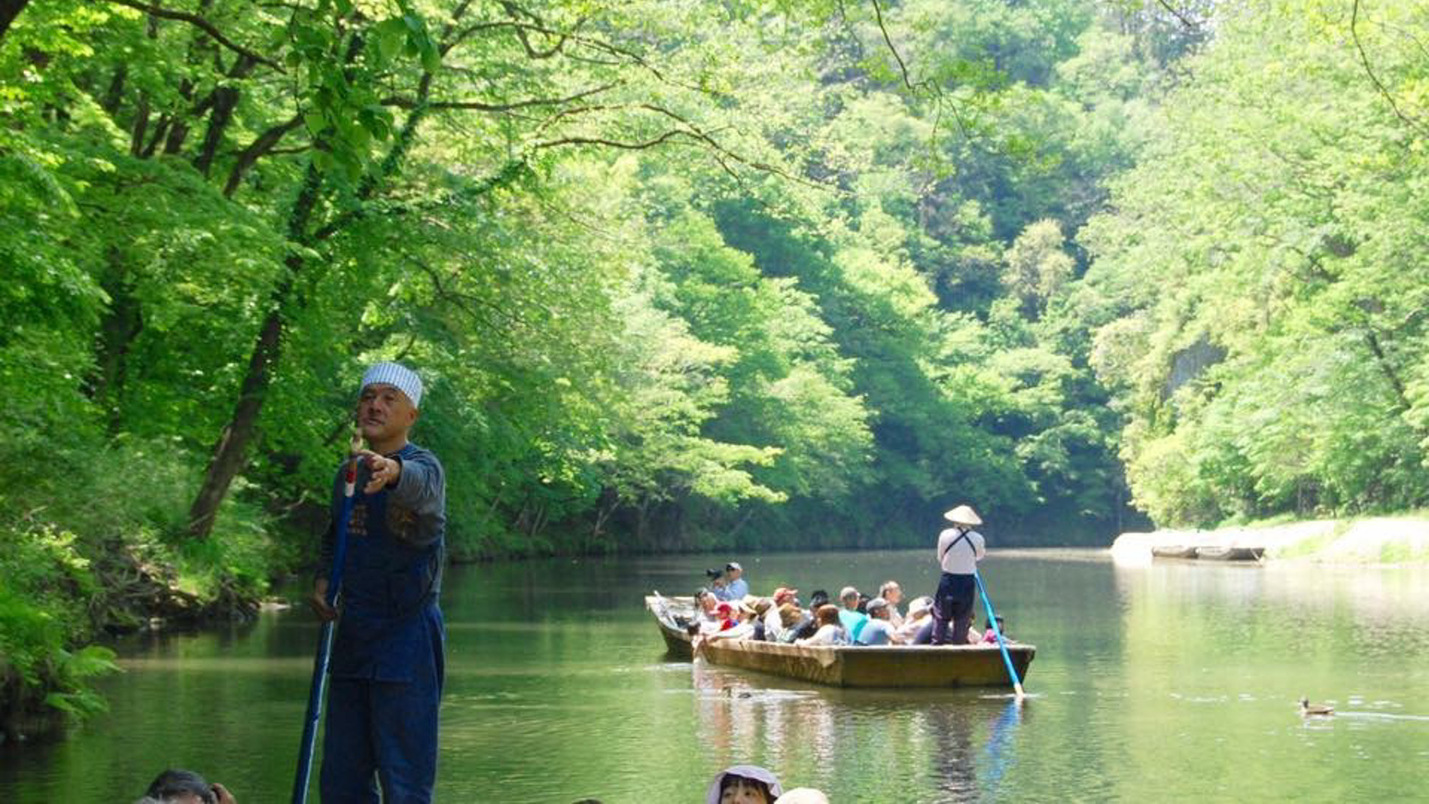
x=62, y=597
x=1376, y=541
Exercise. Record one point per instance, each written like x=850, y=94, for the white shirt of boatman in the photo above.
x=961, y=559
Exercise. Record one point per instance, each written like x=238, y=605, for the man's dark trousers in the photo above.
x=954, y=601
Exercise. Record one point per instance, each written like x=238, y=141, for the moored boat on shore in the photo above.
x=1229, y=553
x=1173, y=551
x=895, y=666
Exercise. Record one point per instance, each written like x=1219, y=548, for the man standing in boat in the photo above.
x=959, y=549
x=387, y=659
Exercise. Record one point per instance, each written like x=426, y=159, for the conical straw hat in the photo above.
x=963, y=515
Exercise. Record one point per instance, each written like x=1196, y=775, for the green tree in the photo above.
x=1257, y=290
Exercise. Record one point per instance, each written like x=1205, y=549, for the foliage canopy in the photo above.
x=703, y=275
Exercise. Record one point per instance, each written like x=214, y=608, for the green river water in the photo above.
x=1169, y=682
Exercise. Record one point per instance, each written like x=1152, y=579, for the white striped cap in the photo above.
x=398, y=375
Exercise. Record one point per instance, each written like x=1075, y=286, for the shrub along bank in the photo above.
x=98, y=558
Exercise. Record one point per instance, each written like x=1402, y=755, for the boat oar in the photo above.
x=997, y=632
x=320, y=664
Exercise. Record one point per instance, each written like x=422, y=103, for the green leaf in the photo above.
x=431, y=56
x=391, y=35
x=314, y=121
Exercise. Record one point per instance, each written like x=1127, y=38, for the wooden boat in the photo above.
x=1173, y=551
x=1229, y=553
x=898, y=666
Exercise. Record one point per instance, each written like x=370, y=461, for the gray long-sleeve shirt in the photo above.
x=416, y=507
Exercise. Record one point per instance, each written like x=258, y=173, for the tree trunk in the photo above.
x=178, y=133
x=228, y=454
x=255, y=151
x=9, y=10
x=140, y=128
x=233, y=442
x=225, y=98
x=115, y=94
x=122, y=322
x=161, y=130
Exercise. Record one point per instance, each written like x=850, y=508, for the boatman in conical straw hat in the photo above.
x=387, y=660
x=959, y=549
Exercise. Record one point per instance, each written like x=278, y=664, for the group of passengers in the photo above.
x=726, y=610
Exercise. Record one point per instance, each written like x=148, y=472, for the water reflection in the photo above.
x=1381, y=594
x=944, y=746
x=1001, y=753
x=953, y=761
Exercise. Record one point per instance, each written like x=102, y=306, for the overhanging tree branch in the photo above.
x=1180, y=15
x=1369, y=70
x=888, y=40
x=708, y=138
x=520, y=29
x=202, y=24
x=688, y=130
x=484, y=106
x=260, y=147
x=639, y=145
x=466, y=301
x=926, y=86
x=517, y=11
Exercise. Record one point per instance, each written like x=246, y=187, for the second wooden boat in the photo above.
x=1229, y=553
x=1173, y=551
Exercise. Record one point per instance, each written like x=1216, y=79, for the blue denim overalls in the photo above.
x=387, y=663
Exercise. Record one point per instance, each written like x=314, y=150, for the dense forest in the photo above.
x=681, y=276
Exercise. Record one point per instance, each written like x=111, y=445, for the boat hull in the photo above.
x=1229, y=553
x=1174, y=551
x=894, y=666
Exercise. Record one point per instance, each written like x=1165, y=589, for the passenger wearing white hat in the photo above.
x=802, y=795
x=919, y=612
x=744, y=783
x=959, y=549
x=388, y=652
x=735, y=587
x=878, y=630
x=850, y=617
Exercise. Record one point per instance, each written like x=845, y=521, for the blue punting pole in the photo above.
x=1002, y=646
x=320, y=664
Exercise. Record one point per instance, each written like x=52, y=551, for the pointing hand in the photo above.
x=385, y=471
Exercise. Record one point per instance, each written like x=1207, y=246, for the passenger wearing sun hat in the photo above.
x=387, y=656
x=959, y=549
x=737, y=621
x=774, y=617
x=744, y=783
x=918, y=617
